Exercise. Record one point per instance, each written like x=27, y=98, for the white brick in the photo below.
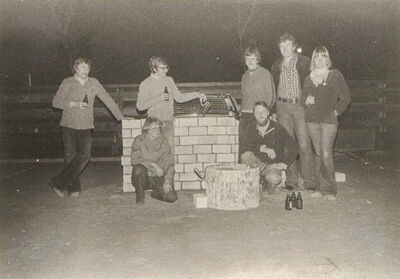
x=222, y=139
x=226, y=121
x=232, y=140
x=207, y=139
x=222, y=148
x=187, y=149
x=127, y=170
x=186, y=159
x=190, y=176
x=181, y=131
x=127, y=142
x=225, y=158
x=198, y=131
x=232, y=130
x=127, y=178
x=126, y=151
x=126, y=133
x=188, y=140
x=216, y=130
x=178, y=186
x=189, y=168
x=206, y=158
x=235, y=148
x=136, y=132
x=177, y=176
x=203, y=184
x=126, y=161
x=127, y=187
x=176, y=141
x=131, y=123
x=237, y=157
x=188, y=122
x=179, y=167
x=190, y=185
x=207, y=121
x=199, y=149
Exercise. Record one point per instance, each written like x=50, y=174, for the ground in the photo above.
x=104, y=234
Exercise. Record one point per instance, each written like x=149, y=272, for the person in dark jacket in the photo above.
x=153, y=163
x=325, y=97
x=268, y=146
x=289, y=73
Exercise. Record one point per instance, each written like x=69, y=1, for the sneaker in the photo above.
x=58, y=192
x=331, y=197
x=75, y=194
x=316, y=195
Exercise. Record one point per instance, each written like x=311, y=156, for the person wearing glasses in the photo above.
x=157, y=94
x=153, y=163
x=325, y=96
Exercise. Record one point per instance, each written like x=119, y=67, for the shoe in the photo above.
x=288, y=188
x=75, y=194
x=316, y=195
x=58, y=192
x=331, y=197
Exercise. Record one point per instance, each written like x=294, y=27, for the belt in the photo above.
x=289, y=100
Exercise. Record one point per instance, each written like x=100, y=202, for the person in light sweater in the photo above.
x=157, y=94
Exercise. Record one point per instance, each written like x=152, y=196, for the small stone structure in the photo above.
x=198, y=141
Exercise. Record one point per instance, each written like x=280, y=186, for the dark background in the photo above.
x=202, y=39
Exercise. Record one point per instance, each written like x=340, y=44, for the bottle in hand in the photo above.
x=166, y=94
x=85, y=100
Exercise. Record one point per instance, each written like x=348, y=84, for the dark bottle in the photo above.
x=85, y=100
x=293, y=199
x=288, y=203
x=166, y=92
x=299, y=201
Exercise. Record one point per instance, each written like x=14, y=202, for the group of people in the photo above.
x=287, y=113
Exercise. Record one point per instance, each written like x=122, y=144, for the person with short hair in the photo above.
x=325, y=97
x=268, y=146
x=153, y=97
x=153, y=163
x=75, y=97
x=257, y=85
x=289, y=73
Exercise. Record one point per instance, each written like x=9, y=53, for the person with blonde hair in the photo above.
x=325, y=97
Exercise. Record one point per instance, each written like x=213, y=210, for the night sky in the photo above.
x=200, y=38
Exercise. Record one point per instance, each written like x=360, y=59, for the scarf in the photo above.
x=319, y=76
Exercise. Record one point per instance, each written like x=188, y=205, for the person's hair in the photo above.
x=320, y=50
x=252, y=50
x=263, y=104
x=150, y=120
x=155, y=61
x=81, y=61
x=287, y=37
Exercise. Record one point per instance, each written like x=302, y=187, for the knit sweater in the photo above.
x=72, y=90
x=146, y=151
x=329, y=96
x=257, y=85
x=276, y=138
x=150, y=97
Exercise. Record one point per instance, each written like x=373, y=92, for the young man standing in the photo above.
x=289, y=73
x=257, y=85
x=157, y=94
x=75, y=97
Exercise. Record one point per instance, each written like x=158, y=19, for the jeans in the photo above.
x=323, y=138
x=168, y=132
x=77, y=148
x=245, y=120
x=292, y=118
x=142, y=181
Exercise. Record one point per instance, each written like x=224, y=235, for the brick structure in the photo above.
x=198, y=141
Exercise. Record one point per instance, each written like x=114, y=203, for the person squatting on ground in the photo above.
x=268, y=146
x=153, y=163
x=257, y=85
x=158, y=103
x=289, y=73
x=75, y=97
x=325, y=97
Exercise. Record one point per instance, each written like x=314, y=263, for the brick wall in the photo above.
x=198, y=141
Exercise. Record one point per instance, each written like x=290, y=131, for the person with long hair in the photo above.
x=325, y=97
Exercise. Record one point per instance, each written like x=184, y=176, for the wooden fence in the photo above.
x=30, y=126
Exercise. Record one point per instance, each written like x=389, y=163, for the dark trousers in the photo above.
x=244, y=122
x=77, y=148
x=323, y=139
x=142, y=181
